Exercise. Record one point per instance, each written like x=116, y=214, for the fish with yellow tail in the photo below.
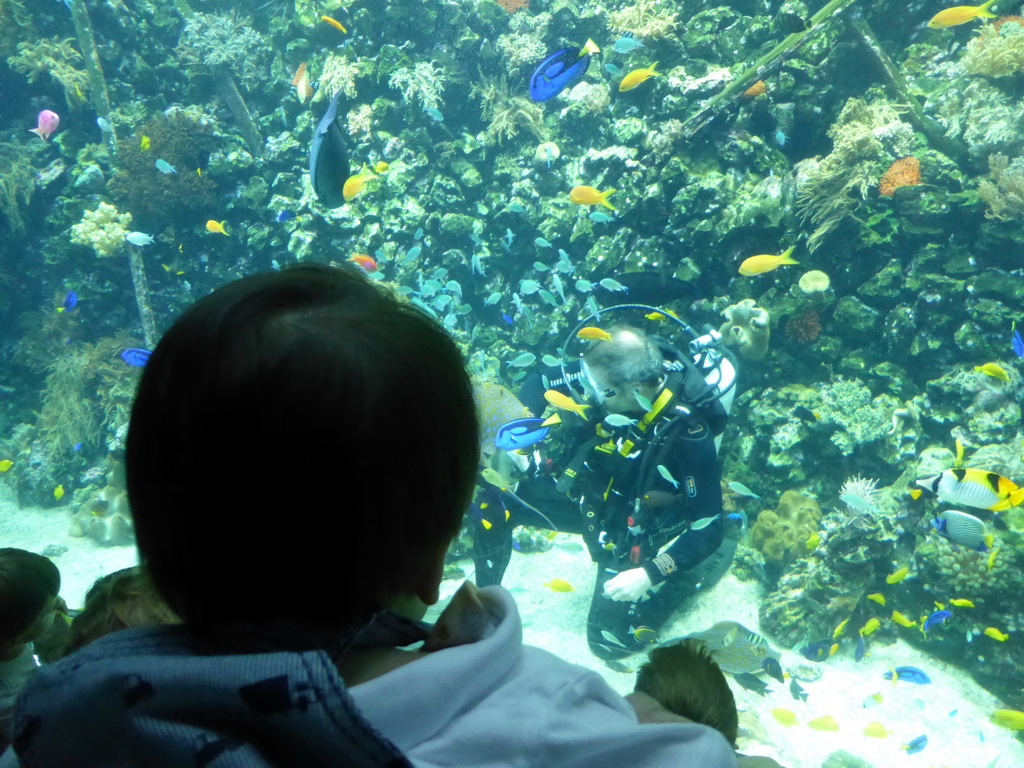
x=1008, y=718
x=824, y=723
x=977, y=488
x=961, y=14
x=58, y=492
x=994, y=370
x=584, y=195
x=566, y=403
x=355, y=184
x=961, y=602
x=870, y=626
x=839, y=629
x=593, y=333
x=996, y=634
x=559, y=585
x=766, y=262
x=897, y=576
x=334, y=23
x=216, y=227
x=902, y=620
x=637, y=76
x=877, y=597
x=958, y=460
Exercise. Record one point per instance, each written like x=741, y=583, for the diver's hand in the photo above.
x=628, y=586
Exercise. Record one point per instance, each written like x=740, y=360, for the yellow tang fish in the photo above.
x=833, y=648
x=144, y=142
x=659, y=316
x=961, y=602
x=994, y=370
x=560, y=585
x=958, y=460
x=5, y=465
x=839, y=629
x=58, y=492
x=637, y=76
x=566, y=403
x=216, y=227
x=961, y=14
x=1008, y=718
x=334, y=23
x=995, y=634
x=813, y=541
x=870, y=626
x=902, y=620
x=380, y=166
x=824, y=723
x=593, y=333
x=992, y=557
x=878, y=597
x=897, y=576
x=354, y=184
x=876, y=730
x=584, y=195
x=785, y=716
x=766, y=262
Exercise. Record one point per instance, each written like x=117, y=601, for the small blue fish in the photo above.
x=507, y=318
x=584, y=286
x=522, y=360
x=516, y=208
x=494, y=298
x=77, y=446
x=70, y=302
x=285, y=215
x=520, y=433
x=781, y=137
x=936, y=618
x=601, y=217
x=773, y=668
x=434, y=114
x=1017, y=343
x=550, y=361
x=509, y=237
x=413, y=253
x=136, y=356
x=916, y=745
x=612, y=69
x=164, y=167
x=611, y=284
x=540, y=242
x=909, y=675
x=861, y=648
x=797, y=691
x=817, y=651
x=627, y=44
x=418, y=234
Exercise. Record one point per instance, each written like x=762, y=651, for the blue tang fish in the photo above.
x=1016, y=341
x=136, y=356
x=916, y=745
x=559, y=71
x=520, y=433
x=936, y=618
x=910, y=675
x=70, y=302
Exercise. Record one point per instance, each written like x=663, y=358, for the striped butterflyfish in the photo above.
x=976, y=488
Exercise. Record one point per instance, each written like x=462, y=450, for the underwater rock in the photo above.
x=843, y=759
x=546, y=153
x=781, y=535
x=746, y=329
x=855, y=316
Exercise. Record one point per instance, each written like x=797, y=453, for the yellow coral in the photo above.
x=102, y=229
x=781, y=535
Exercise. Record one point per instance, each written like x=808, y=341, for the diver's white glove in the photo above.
x=628, y=586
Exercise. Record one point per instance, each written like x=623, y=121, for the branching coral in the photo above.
x=337, y=74
x=17, y=183
x=507, y=113
x=103, y=229
x=423, y=83
x=1005, y=192
x=56, y=58
x=848, y=404
x=524, y=46
x=211, y=39
x=645, y=18
x=12, y=10
x=864, y=137
x=997, y=50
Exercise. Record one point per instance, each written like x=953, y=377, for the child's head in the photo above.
x=686, y=680
x=302, y=447
x=125, y=598
x=29, y=585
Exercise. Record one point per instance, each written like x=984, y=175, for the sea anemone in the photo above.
x=906, y=170
x=814, y=281
x=865, y=488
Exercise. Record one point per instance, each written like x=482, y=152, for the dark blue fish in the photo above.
x=816, y=651
x=752, y=683
x=798, y=692
x=328, y=158
x=285, y=215
x=508, y=318
x=1017, y=343
x=557, y=72
x=909, y=675
x=773, y=668
x=136, y=356
x=520, y=433
x=936, y=618
x=861, y=649
x=916, y=745
x=70, y=301
x=77, y=446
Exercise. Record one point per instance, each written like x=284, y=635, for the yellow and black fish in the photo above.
x=977, y=488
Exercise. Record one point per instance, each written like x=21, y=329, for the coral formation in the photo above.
x=103, y=229
x=1004, y=192
x=746, y=328
x=56, y=58
x=781, y=535
x=848, y=405
x=645, y=18
x=905, y=171
x=104, y=515
x=997, y=50
x=814, y=281
x=17, y=183
x=209, y=40
x=507, y=114
x=514, y=5
x=336, y=74
x=423, y=83
x=805, y=326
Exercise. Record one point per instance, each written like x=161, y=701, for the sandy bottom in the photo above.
x=953, y=711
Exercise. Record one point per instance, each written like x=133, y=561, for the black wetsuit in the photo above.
x=623, y=506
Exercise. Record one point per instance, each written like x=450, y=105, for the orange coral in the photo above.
x=804, y=327
x=514, y=5
x=755, y=90
x=906, y=170
x=1003, y=19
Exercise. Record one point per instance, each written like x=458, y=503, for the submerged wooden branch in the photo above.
x=762, y=67
x=97, y=83
x=897, y=85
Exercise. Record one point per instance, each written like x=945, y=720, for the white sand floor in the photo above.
x=953, y=711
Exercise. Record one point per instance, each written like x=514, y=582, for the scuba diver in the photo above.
x=635, y=472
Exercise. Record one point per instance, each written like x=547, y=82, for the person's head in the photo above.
x=686, y=680
x=125, y=598
x=629, y=363
x=302, y=447
x=29, y=585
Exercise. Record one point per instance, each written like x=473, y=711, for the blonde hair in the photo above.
x=685, y=680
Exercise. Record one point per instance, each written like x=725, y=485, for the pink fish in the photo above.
x=48, y=122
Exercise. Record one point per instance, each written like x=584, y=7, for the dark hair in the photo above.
x=27, y=581
x=686, y=680
x=629, y=356
x=300, y=442
x=125, y=598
